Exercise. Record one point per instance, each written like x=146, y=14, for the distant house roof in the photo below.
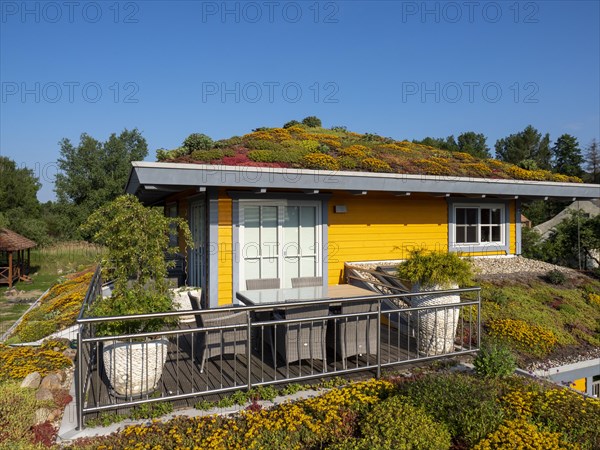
x=11, y=241
x=153, y=181
x=590, y=208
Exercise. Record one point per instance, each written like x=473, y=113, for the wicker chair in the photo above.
x=355, y=335
x=302, y=340
x=219, y=342
x=307, y=282
x=263, y=283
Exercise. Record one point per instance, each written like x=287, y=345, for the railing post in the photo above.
x=479, y=319
x=78, y=384
x=249, y=348
x=379, y=338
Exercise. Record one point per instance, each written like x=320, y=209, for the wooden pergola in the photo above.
x=14, y=257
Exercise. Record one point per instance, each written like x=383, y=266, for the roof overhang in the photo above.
x=153, y=181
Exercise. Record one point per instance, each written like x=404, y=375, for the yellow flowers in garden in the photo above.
x=533, y=338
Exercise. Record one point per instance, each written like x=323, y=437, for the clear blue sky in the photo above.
x=400, y=69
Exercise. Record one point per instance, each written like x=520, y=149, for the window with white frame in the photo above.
x=478, y=224
x=279, y=239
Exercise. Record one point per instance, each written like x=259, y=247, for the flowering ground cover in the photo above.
x=335, y=149
x=436, y=411
x=56, y=311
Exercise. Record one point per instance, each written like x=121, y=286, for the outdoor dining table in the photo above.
x=275, y=296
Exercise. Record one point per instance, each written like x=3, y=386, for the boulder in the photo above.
x=51, y=381
x=42, y=414
x=32, y=380
x=44, y=394
x=70, y=353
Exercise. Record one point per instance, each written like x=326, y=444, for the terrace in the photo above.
x=357, y=332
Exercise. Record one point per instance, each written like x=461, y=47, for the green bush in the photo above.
x=197, y=141
x=555, y=276
x=262, y=156
x=291, y=123
x=465, y=404
x=320, y=161
x=494, y=360
x=396, y=424
x=210, y=155
x=435, y=269
x=260, y=144
x=311, y=122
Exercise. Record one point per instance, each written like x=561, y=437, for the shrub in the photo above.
x=262, y=156
x=312, y=122
x=291, y=123
x=376, y=165
x=348, y=163
x=435, y=268
x=210, y=155
x=309, y=145
x=261, y=144
x=467, y=405
x=197, y=141
x=319, y=161
x=355, y=151
x=519, y=434
x=555, y=276
x=494, y=360
x=395, y=423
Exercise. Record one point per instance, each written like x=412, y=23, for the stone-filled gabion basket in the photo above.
x=436, y=327
x=134, y=369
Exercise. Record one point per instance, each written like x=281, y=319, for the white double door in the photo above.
x=279, y=239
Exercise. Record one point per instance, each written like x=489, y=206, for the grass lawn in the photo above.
x=48, y=265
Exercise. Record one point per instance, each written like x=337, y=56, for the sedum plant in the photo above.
x=137, y=241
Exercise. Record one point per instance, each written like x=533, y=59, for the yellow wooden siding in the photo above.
x=225, y=249
x=381, y=226
x=512, y=211
x=579, y=385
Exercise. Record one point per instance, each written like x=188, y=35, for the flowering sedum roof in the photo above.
x=324, y=149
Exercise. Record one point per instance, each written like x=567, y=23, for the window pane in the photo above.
x=290, y=231
x=496, y=216
x=460, y=235
x=485, y=215
x=496, y=234
x=308, y=267
x=269, y=268
x=485, y=234
x=460, y=216
x=268, y=235
x=251, y=269
x=471, y=234
x=308, y=218
x=251, y=230
x=291, y=269
x=472, y=216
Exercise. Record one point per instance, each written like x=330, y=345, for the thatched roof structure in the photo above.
x=12, y=242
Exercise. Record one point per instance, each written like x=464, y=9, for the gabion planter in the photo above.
x=134, y=369
x=437, y=327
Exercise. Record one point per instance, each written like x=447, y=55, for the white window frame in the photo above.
x=280, y=204
x=501, y=245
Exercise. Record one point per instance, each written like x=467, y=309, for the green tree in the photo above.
x=19, y=206
x=312, y=121
x=566, y=156
x=94, y=173
x=526, y=145
x=592, y=162
x=444, y=144
x=474, y=144
x=291, y=123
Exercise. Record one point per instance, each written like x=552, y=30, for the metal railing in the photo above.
x=232, y=348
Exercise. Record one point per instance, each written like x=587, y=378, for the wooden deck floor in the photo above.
x=181, y=373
